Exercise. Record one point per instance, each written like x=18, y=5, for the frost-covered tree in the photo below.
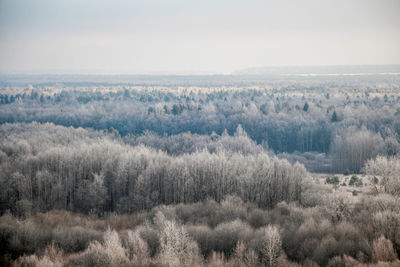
x=387, y=172
x=177, y=248
x=353, y=147
x=272, y=245
x=137, y=248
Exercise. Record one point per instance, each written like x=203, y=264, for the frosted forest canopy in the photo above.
x=241, y=170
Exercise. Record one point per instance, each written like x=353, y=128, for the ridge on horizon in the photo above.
x=261, y=70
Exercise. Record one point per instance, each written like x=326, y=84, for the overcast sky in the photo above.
x=187, y=36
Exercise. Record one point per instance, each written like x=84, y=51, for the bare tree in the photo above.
x=177, y=248
x=272, y=245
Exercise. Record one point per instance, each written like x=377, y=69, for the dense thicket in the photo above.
x=46, y=167
x=230, y=233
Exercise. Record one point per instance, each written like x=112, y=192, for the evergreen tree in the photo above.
x=334, y=117
x=306, y=106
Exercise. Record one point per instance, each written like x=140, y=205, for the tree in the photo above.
x=113, y=248
x=305, y=107
x=272, y=245
x=386, y=170
x=167, y=109
x=177, y=248
x=240, y=132
x=353, y=147
x=92, y=195
x=334, y=117
x=127, y=94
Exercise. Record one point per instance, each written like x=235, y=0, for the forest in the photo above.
x=241, y=170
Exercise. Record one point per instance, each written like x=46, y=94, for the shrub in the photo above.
x=74, y=239
x=332, y=180
x=258, y=218
x=251, y=258
x=344, y=261
x=30, y=237
x=33, y=261
x=228, y=234
x=26, y=261
x=94, y=255
x=341, y=205
x=111, y=253
x=382, y=250
x=7, y=232
x=199, y=213
x=204, y=237
x=354, y=180
x=150, y=236
x=54, y=253
x=387, y=223
x=232, y=207
x=217, y=259
x=113, y=248
x=53, y=257
x=137, y=249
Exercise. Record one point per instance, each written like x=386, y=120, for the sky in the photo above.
x=194, y=36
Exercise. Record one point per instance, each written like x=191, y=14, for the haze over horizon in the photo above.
x=186, y=37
